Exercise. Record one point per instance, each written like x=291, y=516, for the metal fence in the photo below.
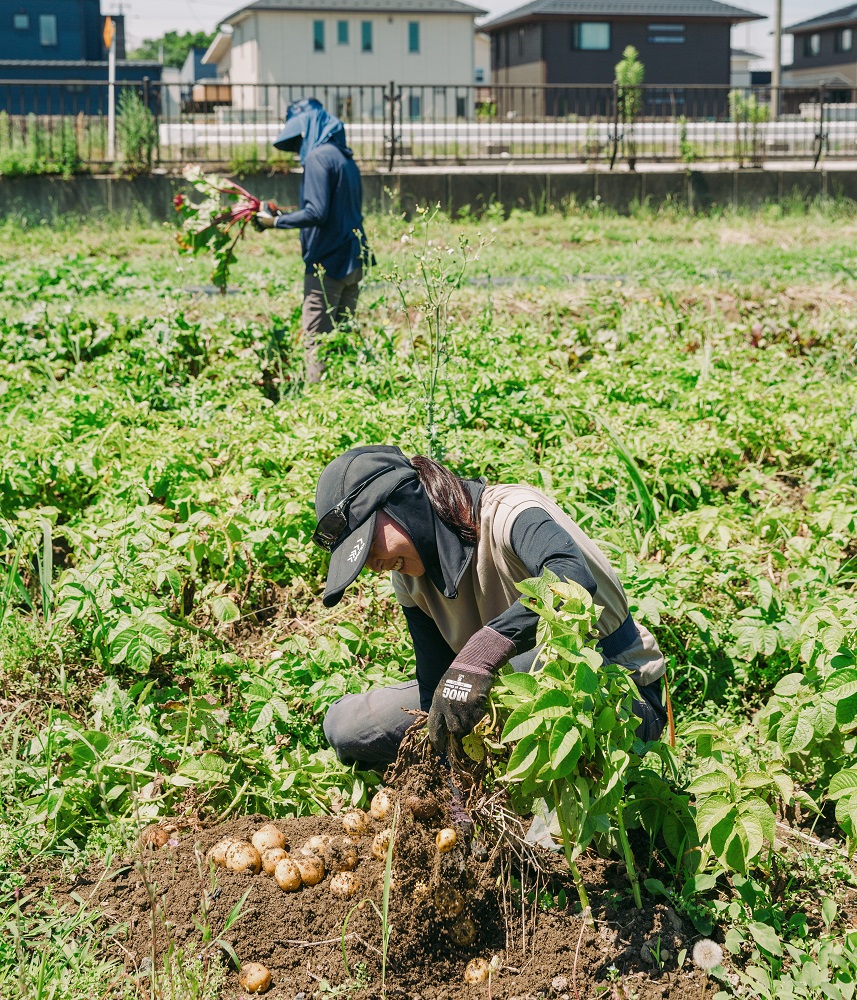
x=232, y=125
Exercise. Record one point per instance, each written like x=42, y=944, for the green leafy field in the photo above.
x=684, y=386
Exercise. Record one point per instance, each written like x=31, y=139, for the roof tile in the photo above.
x=641, y=8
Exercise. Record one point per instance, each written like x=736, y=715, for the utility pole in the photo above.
x=778, y=60
x=110, y=45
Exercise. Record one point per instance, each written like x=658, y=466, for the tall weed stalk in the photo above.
x=425, y=293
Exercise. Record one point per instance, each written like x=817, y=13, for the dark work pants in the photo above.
x=327, y=303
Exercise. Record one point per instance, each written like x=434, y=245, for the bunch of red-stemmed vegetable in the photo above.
x=217, y=223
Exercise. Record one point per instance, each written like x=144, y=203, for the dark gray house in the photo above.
x=53, y=60
x=825, y=53
x=575, y=44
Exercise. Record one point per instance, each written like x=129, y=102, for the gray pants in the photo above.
x=327, y=303
x=368, y=728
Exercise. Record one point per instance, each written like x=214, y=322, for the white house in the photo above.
x=740, y=67
x=346, y=52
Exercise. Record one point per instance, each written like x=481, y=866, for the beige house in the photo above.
x=346, y=52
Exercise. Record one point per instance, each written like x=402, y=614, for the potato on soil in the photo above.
x=345, y=884
x=217, y=854
x=311, y=869
x=448, y=901
x=446, y=840
x=317, y=844
x=266, y=837
x=476, y=971
x=243, y=857
x=422, y=807
x=380, y=805
x=288, y=875
x=463, y=931
x=381, y=843
x=271, y=858
x=340, y=856
x=254, y=978
x=355, y=822
x=153, y=837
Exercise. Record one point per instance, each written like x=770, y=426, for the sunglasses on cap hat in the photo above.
x=332, y=525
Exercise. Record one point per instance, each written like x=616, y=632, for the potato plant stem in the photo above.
x=629, y=857
x=586, y=910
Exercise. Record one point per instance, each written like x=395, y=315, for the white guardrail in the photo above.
x=422, y=135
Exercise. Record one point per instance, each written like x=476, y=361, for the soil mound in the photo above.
x=445, y=908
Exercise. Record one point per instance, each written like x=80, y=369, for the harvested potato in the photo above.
x=422, y=808
x=254, y=978
x=463, y=931
x=317, y=844
x=381, y=843
x=153, y=837
x=271, y=858
x=340, y=856
x=311, y=868
x=355, y=822
x=449, y=901
x=287, y=875
x=380, y=805
x=476, y=971
x=266, y=837
x=217, y=854
x=446, y=840
x=345, y=884
x=243, y=857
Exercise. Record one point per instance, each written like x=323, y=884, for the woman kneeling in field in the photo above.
x=455, y=549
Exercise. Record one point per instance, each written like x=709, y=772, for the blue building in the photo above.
x=53, y=60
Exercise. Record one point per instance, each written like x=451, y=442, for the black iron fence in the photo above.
x=63, y=124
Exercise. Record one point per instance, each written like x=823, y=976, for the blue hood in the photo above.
x=308, y=120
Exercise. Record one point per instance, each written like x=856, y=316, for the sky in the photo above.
x=152, y=18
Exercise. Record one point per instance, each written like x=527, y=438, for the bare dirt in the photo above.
x=165, y=897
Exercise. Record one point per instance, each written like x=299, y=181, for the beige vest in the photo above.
x=487, y=588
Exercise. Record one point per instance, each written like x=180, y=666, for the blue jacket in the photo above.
x=330, y=216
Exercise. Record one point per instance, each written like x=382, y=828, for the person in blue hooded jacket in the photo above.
x=330, y=219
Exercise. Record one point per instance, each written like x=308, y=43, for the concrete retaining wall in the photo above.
x=150, y=198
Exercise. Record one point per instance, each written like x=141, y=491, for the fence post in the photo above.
x=819, y=139
x=392, y=125
x=615, y=137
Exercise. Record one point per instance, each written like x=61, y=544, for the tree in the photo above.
x=630, y=74
x=175, y=46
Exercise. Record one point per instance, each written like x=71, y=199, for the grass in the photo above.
x=684, y=385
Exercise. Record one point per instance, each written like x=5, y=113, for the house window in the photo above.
x=413, y=36
x=460, y=107
x=366, y=36
x=666, y=34
x=48, y=29
x=21, y=22
x=414, y=105
x=479, y=75
x=844, y=40
x=341, y=32
x=318, y=36
x=591, y=36
x=811, y=45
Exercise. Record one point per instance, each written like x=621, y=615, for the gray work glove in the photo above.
x=461, y=698
x=264, y=219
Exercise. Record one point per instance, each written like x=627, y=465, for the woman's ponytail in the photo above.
x=449, y=497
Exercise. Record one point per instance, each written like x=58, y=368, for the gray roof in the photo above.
x=744, y=54
x=361, y=7
x=829, y=20
x=628, y=8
